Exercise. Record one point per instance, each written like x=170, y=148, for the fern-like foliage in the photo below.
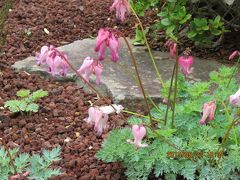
x=189, y=149
x=38, y=166
x=27, y=101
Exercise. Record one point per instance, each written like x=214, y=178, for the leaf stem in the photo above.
x=140, y=115
x=234, y=71
x=148, y=47
x=175, y=88
x=136, y=70
x=169, y=95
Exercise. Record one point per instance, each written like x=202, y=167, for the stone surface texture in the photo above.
x=119, y=79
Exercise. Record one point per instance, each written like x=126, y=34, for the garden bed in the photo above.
x=59, y=118
x=29, y=26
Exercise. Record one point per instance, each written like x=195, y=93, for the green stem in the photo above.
x=227, y=133
x=175, y=88
x=10, y=156
x=169, y=95
x=234, y=72
x=136, y=70
x=148, y=47
x=229, y=119
x=135, y=79
x=140, y=115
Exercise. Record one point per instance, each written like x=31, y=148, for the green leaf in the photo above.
x=23, y=93
x=185, y=19
x=12, y=105
x=139, y=38
x=191, y=34
x=165, y=22
x=205, y=28
x=38, y=95
x=166, y=132
x=32, y=107
x=170, y=29
x=52, y=155
x=182, y=12
x=216, y=32
x=21, y=162
x=22, y=105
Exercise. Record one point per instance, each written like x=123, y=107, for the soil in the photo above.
x=60, y=117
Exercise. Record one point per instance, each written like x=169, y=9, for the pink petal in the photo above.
x=103, y=36
x=235, y=99
x=233, y=55
x=114, y=47
x=86, y=65
x=101, y=123
x=41, y=57
x=138, y=132
x=101, y=52
x=98, y=72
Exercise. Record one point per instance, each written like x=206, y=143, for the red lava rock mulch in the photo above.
x=66, y=21
x=60, y=116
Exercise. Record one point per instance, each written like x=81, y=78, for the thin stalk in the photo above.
x=140, y=115
x=135, y=79
x=175, y=89
x=235, y=69
x=169, y=95
x=226, y=135
x=148, y=47
x=136, y=69
x=10, y=156
x=229, y=119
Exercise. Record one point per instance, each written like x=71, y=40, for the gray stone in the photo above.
x=118, y=79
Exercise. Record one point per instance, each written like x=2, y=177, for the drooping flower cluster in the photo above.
x=138, y=131
x=235, y=99
x=106, y=39
x=122, y=8
x=54, y=59
x=98, y=116
x=209, y=109
x=90, y=67
x=172, y=48
x=186, y=63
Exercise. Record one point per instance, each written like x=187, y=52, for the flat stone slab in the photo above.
x=118, y=79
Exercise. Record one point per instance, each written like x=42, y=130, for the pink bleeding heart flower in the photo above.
x=114, y=47
x=209, y=109
x=90, y=67
x=63, y=67
x=164, y=101
x=186, y=63
x=97, y=69
x=122, y=8
x=138, y=131
x=234, y=54
x=98, y=118
x=235, y=99
x=101, y=124
x=106, y=39
x=102, y=43
x=54, y=59
x=42, y=56
x=172, y=48
x=86, y=68
x=56, y=63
